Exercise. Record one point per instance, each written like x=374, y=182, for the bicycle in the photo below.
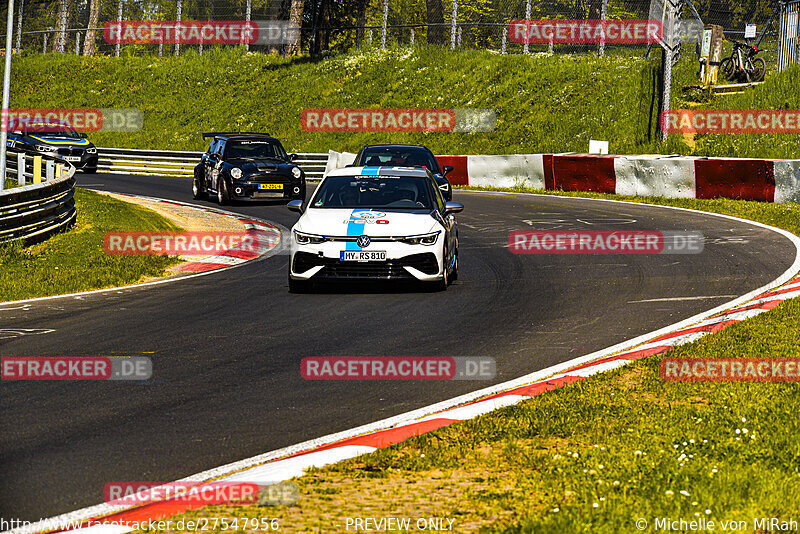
x=743, y=64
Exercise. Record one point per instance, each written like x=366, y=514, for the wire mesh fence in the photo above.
x=76, y=26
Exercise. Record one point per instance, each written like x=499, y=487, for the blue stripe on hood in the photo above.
x=354, y=230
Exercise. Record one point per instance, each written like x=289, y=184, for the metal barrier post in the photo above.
x=505, y=36
x=412, y=36
x=59, y=170
x=37, y=169
x=21, y=168
x=77, y=43
x=49, y=170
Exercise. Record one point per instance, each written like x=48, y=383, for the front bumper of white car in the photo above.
x=403, y=260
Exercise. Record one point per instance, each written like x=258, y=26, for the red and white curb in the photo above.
x=265, y=235
x=292, y=461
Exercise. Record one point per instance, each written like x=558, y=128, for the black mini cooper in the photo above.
x=247, y=166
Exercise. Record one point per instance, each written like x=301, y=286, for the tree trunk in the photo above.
x=361, y=20
x=295, y=20
x=595, y=9
x=435, y=13
x=94, y=15
x=62, y=22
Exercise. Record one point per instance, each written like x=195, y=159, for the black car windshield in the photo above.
x=402, y=192
x=254, y=149
x=46, y=129
x=398, y=156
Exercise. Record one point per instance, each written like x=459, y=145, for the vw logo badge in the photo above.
x=362, y=241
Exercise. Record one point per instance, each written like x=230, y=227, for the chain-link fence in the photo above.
x=76, y=26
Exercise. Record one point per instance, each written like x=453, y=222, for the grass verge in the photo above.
x=75, y=260
x=544, y=103
x=597, y=455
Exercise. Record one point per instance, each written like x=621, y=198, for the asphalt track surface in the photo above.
x=226, y=348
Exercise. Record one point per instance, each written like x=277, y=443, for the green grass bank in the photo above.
x=543, y=103
x=75, y=260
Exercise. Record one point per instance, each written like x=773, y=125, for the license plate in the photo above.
x=362, y=255
x=72, y=158
x=270, y=186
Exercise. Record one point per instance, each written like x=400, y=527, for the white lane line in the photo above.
x=678, y=299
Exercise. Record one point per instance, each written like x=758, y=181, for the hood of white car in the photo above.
x=361, y=221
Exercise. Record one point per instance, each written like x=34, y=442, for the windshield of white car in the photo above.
x=393, y=156
x=400, y=192
x=254, y=149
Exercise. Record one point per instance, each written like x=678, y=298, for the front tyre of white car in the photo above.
x=454, y=273
x=441, y=284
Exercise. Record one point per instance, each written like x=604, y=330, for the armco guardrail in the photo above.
x=34, y=212
x=181, y=163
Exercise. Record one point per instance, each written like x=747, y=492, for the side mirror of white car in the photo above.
x=452, y=207
x=295, y=205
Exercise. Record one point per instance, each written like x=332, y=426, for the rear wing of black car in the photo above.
x=222, y=134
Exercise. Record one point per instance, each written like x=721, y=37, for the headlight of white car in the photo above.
x=296, y=172
x=308, y=239
x=425, y=239
x=236, y=173
x=45, y=148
